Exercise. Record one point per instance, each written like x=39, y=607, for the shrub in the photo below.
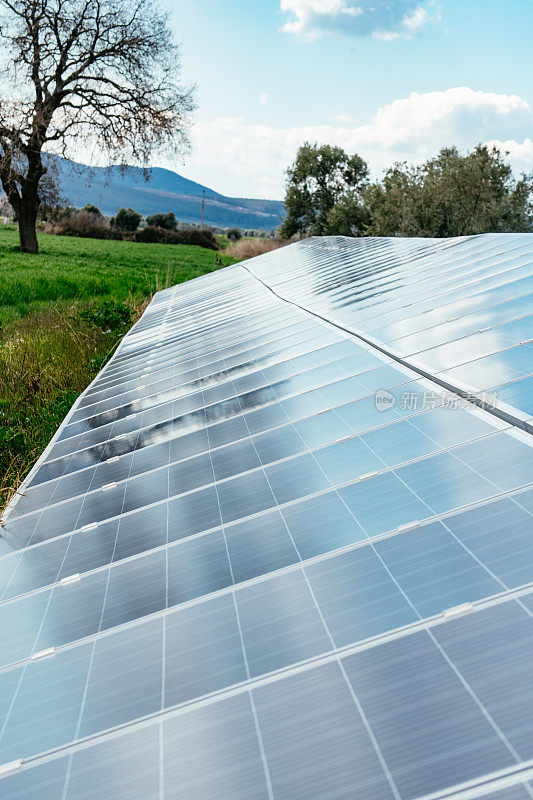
x=90, y=209
x=203, y=237
x=80, y=223
x=151, y=235
x=126, y=219
x=166, y=221
x=83, y=223
x=196, y=236
x=234, y=234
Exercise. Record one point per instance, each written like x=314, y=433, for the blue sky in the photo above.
x=390, y=79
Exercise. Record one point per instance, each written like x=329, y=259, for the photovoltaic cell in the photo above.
x=282, y=546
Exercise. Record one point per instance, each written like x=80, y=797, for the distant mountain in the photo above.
x=112, y=188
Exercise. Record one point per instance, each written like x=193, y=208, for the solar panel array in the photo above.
x=282, y=546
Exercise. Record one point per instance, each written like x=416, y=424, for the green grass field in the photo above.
x=62, y=313
x=70, y=268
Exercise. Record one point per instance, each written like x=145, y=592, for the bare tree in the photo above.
x=101, y=73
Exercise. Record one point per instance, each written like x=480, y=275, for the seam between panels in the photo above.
x=430, y=518
x=243, y=413
x=370, y=732
x=422, y=623
x=179, y=389
x=452, y=665
x=259, y=735
x=246, y=346
x=488, y=716
x=160, y=730
x=260, y=743
x=124, y=483
x=513, y=593
x=355, y=699
x=412, y=417
x=162, y=349
x=474, y=276
x=243, y=687
x=507, y=416
x=481, y=787
x=171, y=419
x=89, y=669
x=182, y=383
x=82, y=445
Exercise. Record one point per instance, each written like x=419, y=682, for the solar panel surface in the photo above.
x=282, y=546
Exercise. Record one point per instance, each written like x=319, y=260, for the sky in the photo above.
x=392, y=80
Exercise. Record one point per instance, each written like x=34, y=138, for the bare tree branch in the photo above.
x=89, y=71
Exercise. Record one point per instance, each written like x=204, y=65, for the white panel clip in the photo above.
x=70, y=579
x=457, y=610
x=367, y=476
x=89, y=527
x=108, y=486
x=43, y=654
x=112, y=459
x=407, y=527
x=10, y=768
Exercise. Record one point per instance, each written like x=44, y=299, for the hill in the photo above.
x=112, y=188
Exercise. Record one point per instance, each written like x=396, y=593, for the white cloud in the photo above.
x=263, y=98
x=412, y=128
x=383, y=19
x=422, y=122
x=520, y=153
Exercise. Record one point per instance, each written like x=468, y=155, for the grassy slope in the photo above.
x=69, y=268
x=48, y=353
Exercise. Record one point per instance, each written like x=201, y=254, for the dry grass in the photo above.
x=46, y=360
x=250, y=247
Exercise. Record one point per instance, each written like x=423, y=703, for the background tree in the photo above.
x=166, y=221
x=126, y=219
x=92, y=209
x=91, y=72
x=320, y=177
x=450, y=195
x=349, y=216
x=234, y=234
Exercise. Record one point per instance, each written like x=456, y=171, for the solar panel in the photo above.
x=282, y=545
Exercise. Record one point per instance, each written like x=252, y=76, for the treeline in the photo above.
x=329, y=193
x=89, y=222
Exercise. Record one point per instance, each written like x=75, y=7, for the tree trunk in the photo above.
x=27, y=219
